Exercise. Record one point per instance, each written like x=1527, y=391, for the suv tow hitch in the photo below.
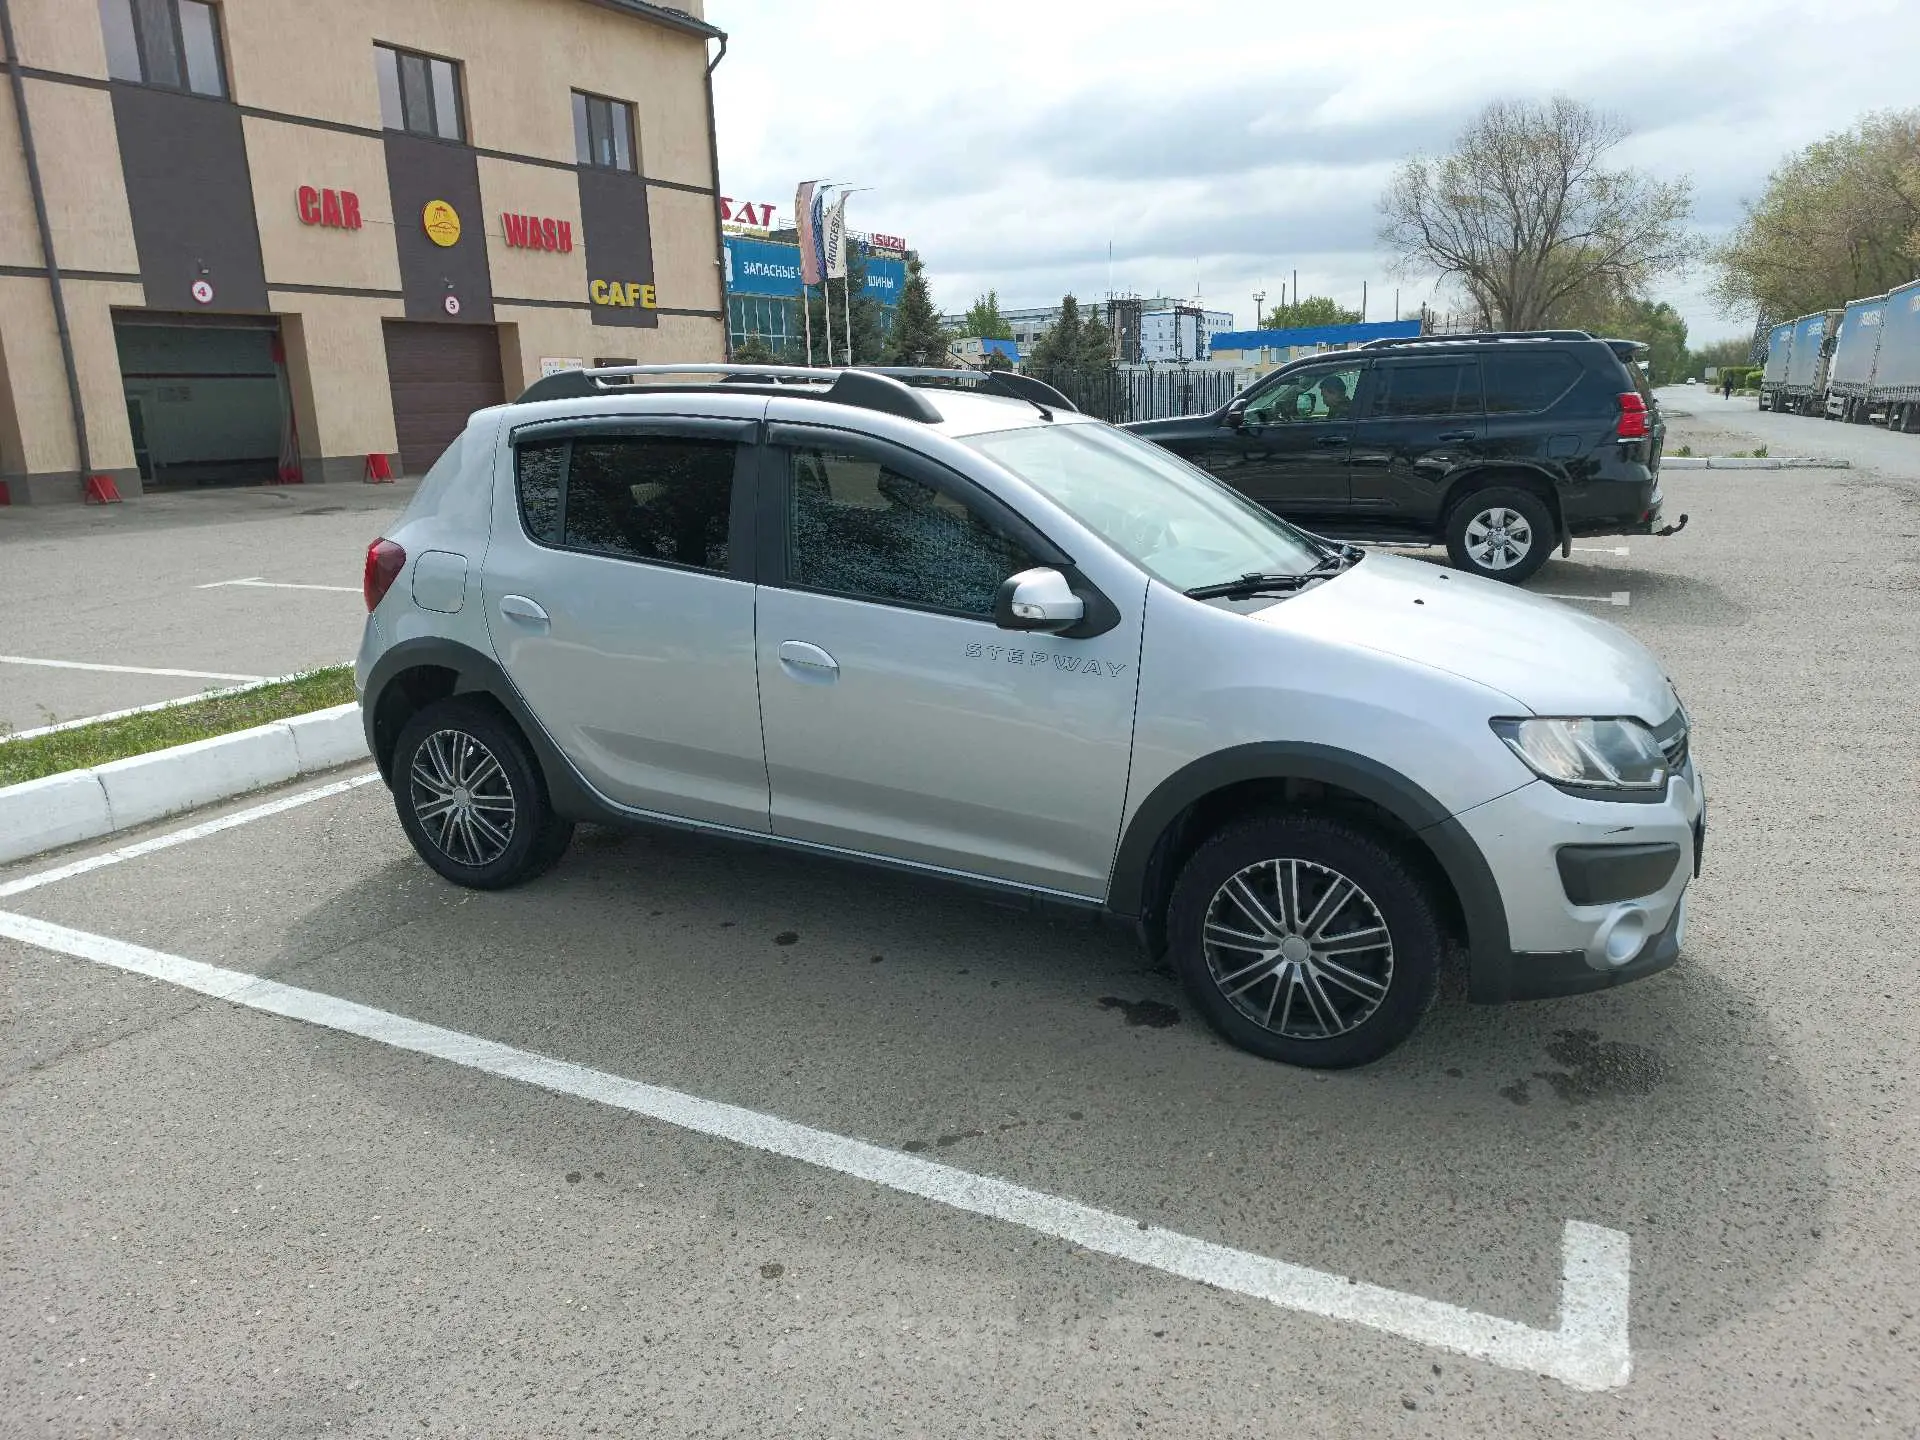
x=1673, y=529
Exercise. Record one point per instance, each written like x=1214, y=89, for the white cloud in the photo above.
x=1219, y=146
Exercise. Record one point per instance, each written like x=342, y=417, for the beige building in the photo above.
x=275, y=239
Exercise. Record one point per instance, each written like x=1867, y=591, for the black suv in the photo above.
x=1501, y=445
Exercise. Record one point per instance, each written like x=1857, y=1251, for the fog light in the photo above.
x=1622, y=936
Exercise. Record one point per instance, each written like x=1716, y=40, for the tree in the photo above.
x=1060, y=348
x=1720, y=355
x=1096, y=341
x=1837, y=221
x=996, y=361
x=1524, y=213
x=917, y=337
x=753, y=351
x=985, y=320
x=1314, y=310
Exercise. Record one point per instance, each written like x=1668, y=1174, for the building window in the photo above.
x=174, y=44
x=602, y=132
x=419, y=93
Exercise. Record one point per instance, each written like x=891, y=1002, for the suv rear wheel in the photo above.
x=471, y=799
x=1501, y=533
x=1305, y=939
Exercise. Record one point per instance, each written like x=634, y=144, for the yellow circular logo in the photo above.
x=442, y=222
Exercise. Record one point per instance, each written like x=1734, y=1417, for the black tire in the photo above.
x=1263, y=1021
x=505, y=799
x=1529, y=543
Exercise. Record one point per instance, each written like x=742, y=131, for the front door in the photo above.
x=619, y=595
x=1423, y=422
x=1290, y=450
x=900, y=720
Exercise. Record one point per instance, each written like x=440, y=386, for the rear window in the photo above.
x=1407, y=388
x=664, y=499
x=1521, y=383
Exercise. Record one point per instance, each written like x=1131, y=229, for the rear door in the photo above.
x=1424, y=421
x=619, y=595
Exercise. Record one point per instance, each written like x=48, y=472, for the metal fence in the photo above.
x=1120, y=395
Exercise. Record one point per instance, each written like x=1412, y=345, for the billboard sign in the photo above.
x=764, y=267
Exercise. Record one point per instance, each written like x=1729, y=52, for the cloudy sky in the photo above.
x=1221, y=146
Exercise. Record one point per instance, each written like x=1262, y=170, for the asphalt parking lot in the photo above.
x=158, y=614
x=826, y=1153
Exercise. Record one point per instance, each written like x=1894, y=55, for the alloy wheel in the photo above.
x=1298, y=948
x=462, y=797
x=1499, y=538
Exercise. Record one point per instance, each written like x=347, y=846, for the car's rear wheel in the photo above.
x=471, y=798
x=1501, y=533
x=1305, y=939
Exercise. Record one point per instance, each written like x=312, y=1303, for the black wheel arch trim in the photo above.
x=1490, y=954
x=475, y=673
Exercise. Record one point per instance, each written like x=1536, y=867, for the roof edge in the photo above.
x=663, y=15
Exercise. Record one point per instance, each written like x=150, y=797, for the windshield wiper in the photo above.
x=1255, y=583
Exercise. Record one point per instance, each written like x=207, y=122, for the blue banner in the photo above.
x=765, y=267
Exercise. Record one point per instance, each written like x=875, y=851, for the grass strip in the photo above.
x=30, y=759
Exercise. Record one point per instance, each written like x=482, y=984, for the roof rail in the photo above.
x=1476, y=337
x=865, y=389
x=1009, y=383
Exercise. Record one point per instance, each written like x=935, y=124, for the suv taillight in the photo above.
x=1633, y=417
x=385, y=560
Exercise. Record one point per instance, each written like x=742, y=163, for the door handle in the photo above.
x=1331, y=442
x=519, y=607
x=1455, y=437
x=808, y=663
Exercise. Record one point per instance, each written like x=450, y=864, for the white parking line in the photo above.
x=181, y=837
x=1589, y=1350
x=1618, y=597
x=254, y=582
x=126, y=669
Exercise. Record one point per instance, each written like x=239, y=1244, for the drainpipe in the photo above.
x=719, y=243
x=46, y=240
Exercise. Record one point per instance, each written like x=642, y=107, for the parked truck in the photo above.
x=1895, y=387
x=1855, y=354
x=1773, y=377
x=1804, y=389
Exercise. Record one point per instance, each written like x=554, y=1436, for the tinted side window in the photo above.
x=538, y=469
x=660, y=498
x=1426, y=387
x=651, y=498
x=858, y=528
x=1521, y=384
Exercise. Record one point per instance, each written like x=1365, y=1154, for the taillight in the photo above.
x=385, y=560
x=1633, y=417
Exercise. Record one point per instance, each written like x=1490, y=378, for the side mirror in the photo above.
x=1038, y=599
x=1236, y=415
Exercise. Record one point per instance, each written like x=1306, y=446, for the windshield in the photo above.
x=1178, y=523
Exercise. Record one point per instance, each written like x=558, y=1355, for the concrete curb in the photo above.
x=81, y=805
x=1747, y=462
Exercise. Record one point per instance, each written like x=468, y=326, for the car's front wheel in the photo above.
x=1501, y=533
x=470, y=796
x=1305, y=939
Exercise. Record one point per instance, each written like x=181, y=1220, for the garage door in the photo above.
x=440, y=374
x=206, y=403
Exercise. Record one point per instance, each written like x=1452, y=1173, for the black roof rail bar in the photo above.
x=865, y=389
x=1476, y=337
x=1009, y=383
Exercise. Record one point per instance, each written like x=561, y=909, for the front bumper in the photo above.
x=1555, y=945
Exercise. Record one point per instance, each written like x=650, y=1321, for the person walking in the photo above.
x=1726, y=384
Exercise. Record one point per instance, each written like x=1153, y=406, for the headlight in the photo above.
x=1597, y=754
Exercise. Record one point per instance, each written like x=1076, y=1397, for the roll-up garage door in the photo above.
x=439, y=374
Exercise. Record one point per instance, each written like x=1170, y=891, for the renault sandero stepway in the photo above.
x=955, y=628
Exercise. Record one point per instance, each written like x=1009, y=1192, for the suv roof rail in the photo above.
x=1009, y=383
x=864, y=389
x=1476, y=337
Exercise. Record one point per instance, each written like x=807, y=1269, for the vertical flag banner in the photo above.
x=805, y=220
x=835, y=240
x=818, y=233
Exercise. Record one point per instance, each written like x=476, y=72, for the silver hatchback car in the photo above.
x=953, y=627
